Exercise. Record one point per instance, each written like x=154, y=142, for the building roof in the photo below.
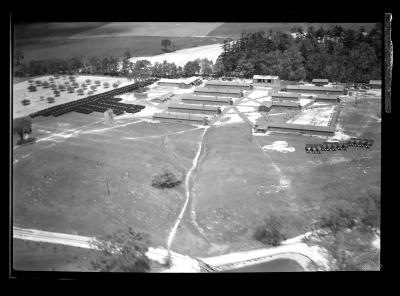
x=320, y=80
x=227, y=83
x=285, y=95
x=375, y=82
x=338, y=88
x=203, y=98
x=194, y=107
x=265, y=77
x=179, y=80
x=303, y=127
x=286, y=104
x=217, y=90
x=326, y=97
x=182, y=116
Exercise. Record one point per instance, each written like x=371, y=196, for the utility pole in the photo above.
x=108, y=190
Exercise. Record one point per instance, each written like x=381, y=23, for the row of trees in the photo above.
x=334, y=53
x=138, y=70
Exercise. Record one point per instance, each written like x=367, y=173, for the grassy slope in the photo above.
x=62, y=187
x=233, y=177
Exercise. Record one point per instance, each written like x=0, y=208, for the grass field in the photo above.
x=236, y=185
x=61, y=183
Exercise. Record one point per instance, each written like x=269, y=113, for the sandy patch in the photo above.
x=259, y=94
x=229, y=118
x=314, y=116
x=280, y=146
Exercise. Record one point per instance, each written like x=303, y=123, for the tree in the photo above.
x=122, y=251
x=270, y=231
x=166, y=179
x=206, y=66
x=22, y=126
x=191, y=68
x=165, y=43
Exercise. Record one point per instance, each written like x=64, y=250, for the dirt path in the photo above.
x=187, y=179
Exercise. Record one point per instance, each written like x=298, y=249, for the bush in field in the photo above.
x=269, y=232
x=80, y=92
x=61, y=87
x=88, y=81
x=45, y=84
x=115, y=85
x=50, y=100
x=338, y=217
x=56, y=93
x=75, y=84
x=25, y=102
x=21, y=127
x=122, y=251
x=71, y=77
x=32, y=88
x=90, y=92
x=71, y=89
x=30, y=80
x=66, y=82
x=97, y=82
x=93, y=87
x=165, y=179
x=106, y=85
x=38, y=82
x=53, y=86
x=83, y=85
x=51, y=79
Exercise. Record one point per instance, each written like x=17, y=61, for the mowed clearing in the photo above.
x=236, y=184
x=85, y=177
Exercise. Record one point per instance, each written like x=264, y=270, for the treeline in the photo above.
x=112, y=66
x=335, y=53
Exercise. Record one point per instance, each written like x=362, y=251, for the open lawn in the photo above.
x=236, y=185
x=83, y=176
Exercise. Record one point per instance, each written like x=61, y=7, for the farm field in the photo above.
x=104, y=46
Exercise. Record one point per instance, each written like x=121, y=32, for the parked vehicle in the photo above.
x=366, y=143
x=335, y=146
x=354, y=142
x=370, y=143
x=319, y=148
x=344, y=145
x=308, y=148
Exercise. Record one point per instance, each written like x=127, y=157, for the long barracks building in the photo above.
x=305, y=89
x=181, y=117
x=202, y=100
x=197, y=109
x=223, y=92
x=228, y=84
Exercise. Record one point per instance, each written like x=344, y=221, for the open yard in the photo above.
x=88, y=178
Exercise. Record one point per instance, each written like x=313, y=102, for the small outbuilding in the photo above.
x=265, y=79
x=375, y=84
x=320, y=82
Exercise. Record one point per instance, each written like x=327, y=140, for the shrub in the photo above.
x=269, y=232
x=32, y=88
x=90, y=92
x=50, y=100
x=165, y=179
x=25, y=102
x=56, y=93
x=106, y=85
x=93, y=87
x=38, y=82
x=88, y=81
x=97, y=82
x=66, y=82
x=53, y=86
x=51, y=79
x=80, y=91
x=61, y=87
x=339, y=216
x=71, y=77
x=71, y=89
x=115, y=85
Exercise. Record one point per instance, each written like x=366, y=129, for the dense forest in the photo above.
x=337, y=54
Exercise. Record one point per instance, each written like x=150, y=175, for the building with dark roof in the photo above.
x=223, y=92
x=327, y=98
x=305, y=89
x=266, y=79
x=375, y=84
x=204, y=100
x=283, y=96
x=320, y=82
x=301, y=128
x=197, y=109
x=285, y=105
x=181, y=117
